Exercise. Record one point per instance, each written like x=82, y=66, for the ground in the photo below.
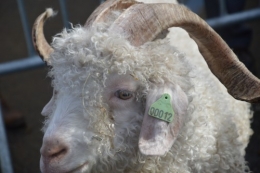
x=29, y=91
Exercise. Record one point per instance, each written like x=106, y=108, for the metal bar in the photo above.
x=235, y=18
x=20, y=65
x=26, y=30
x=223, y=7
x=64, y=13
x=35, y=61
x=195, y=6
x=5, y=159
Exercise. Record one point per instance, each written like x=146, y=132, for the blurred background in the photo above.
x=26, y=89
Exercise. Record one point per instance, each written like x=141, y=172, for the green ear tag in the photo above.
x=162, y=108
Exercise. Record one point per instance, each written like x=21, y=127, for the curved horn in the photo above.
x=149, y=20
x=103, y=12
x=40, y=44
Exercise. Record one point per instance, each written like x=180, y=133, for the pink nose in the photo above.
x=53, y=149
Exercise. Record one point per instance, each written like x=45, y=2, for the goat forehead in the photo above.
x=75, y=59
x=126, y=81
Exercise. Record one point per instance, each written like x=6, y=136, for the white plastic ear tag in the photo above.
x=162, y=108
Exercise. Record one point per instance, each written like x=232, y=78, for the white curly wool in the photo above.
x=86, y=62
x=102, y=132
x=158, y=1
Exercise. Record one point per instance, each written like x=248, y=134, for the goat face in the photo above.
x=80, y=134
x=97, y=118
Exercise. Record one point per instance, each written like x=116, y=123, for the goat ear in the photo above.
x=157, y=136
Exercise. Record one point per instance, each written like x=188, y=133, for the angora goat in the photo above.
x=112, y=76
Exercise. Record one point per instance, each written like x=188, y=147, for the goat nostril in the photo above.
x=54, y=150
x=58, y=154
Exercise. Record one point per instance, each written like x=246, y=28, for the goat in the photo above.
x=112, y=75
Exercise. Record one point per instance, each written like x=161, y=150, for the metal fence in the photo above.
x=5, y=158
x=33, y=61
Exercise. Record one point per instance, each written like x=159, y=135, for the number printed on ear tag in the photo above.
x=162, y=108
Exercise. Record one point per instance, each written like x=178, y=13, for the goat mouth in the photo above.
x=82, y=167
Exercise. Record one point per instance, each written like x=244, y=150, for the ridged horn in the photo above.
x=40, y=44
x=149, y=20
x=103, y=12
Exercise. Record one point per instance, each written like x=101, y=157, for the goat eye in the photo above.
x=123, y=94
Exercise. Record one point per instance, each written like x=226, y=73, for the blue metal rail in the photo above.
x=5, y=159
x=26, y=29
x=21, y=65
x=228, y=20
x=35, y=61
